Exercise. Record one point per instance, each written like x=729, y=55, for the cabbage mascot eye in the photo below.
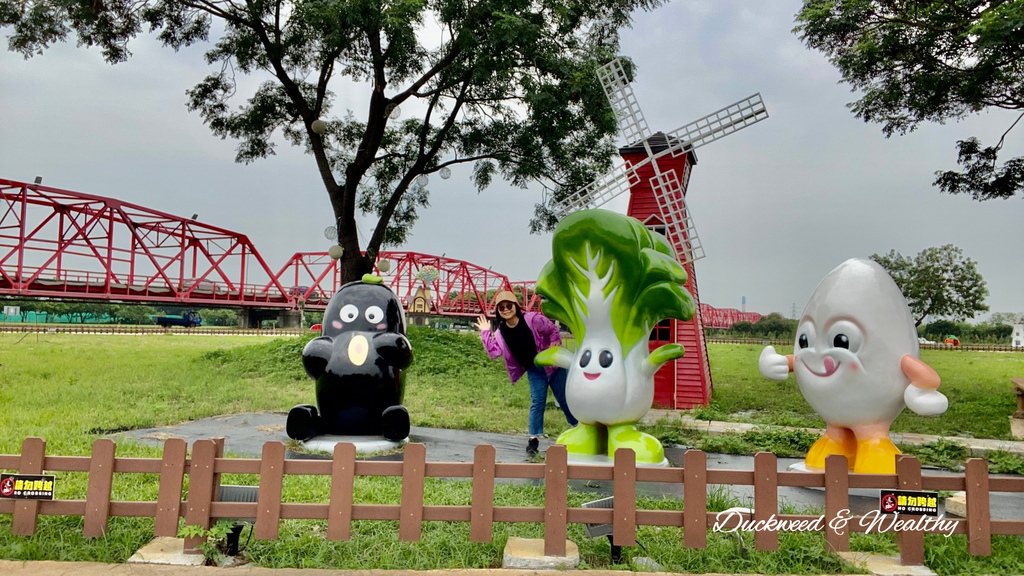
x=611, y=280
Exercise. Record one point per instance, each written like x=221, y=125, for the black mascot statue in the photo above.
x=357, y=363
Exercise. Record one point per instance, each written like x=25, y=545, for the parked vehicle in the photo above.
x=189, y=319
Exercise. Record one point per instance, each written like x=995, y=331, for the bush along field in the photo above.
x=73, y=389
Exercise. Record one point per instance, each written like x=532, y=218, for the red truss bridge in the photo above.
x=447, y=286
x=61, y=244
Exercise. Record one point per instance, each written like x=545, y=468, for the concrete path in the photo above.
x=245, y=435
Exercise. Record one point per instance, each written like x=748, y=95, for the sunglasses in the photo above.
x=506, y=306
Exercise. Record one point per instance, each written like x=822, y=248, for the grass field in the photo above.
x=976, y=383
x=72, y=389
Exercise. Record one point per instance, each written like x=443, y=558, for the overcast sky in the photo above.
x=776, y=206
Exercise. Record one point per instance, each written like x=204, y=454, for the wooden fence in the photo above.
x=206, y=465
x=145, y=329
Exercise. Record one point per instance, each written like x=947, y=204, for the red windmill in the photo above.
x=656, y=172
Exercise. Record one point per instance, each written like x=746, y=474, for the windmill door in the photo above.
x=665, y=378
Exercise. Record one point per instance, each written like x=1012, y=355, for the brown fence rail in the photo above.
x=206, y=466
x=143, y=330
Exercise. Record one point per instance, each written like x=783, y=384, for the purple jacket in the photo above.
x=545, y=334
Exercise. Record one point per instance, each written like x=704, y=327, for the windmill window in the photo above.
x=660, y=229
x=662, y=332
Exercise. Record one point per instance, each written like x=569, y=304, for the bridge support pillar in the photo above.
x=245, y=319
x=289, y=319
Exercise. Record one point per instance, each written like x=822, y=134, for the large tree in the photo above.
x=506, y=85
x=920, y=62
x=939, y=281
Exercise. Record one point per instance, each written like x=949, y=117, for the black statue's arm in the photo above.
x=316, y=355
x=393, y=348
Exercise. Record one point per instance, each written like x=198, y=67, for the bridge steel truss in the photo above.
x=62, y=244
x=453, y=287
x=725, y=317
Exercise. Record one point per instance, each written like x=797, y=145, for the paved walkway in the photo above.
x=978, y=446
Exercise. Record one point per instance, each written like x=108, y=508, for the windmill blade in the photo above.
x=628, y=116
x=670, y=194
x=598, y=192
x=733, y=117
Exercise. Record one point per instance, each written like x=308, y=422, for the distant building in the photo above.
x=1017, y=338
x=420, y=307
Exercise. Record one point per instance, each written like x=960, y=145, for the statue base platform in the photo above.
x=859, y=492
x=364, y=444
x=605, y=460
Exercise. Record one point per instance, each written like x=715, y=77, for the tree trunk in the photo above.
x=353, y=263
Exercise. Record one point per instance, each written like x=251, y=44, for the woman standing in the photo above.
x=519, y=337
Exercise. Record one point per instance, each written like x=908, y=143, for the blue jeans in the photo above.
x=539, y=383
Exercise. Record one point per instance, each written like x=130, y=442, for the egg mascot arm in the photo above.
x=554, y=356
x=922, y=396
x=394, y=348
x=773, y=365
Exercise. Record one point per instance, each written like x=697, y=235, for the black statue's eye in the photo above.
x=605, y=358
x=349, y=313
x=803, y=341
x=585, y=359
x=374, y=314
x=841, y=341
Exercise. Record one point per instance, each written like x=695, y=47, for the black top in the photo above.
x=520, y=342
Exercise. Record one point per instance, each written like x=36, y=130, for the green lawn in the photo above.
x=976, y=383
x=72, y=389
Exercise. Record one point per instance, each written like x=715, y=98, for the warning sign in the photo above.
x=909, y=502
x=26, y=486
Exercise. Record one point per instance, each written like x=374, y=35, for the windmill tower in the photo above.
x=656, y=173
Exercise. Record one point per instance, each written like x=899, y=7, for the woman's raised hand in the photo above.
x=482, y=323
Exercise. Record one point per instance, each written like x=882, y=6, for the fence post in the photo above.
x=268, y=505
x=200, y=491
x=414, y=464
x=481, y=522
x=837, y=499
x=172, y=478
x=624, y=503
x=911, y=542
x=26, y=512
x=979, y=531
x=556, y=493
x=766, y=499
x=695, y=499
x=97, y=497
x=339, y=516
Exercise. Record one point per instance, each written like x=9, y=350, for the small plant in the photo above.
x=1001, y=462
x=215, y=545
x=943, y=453
x=780, y=441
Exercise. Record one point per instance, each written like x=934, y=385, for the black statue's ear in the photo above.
x=316, y=355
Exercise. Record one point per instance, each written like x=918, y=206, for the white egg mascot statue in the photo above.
x=857, y=362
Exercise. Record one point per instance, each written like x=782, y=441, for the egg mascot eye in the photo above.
x=357, y=363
